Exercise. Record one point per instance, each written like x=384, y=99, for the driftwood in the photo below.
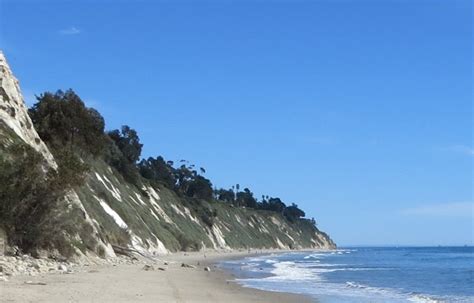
x=129, y=252
x=125, y=251
x=35, y=283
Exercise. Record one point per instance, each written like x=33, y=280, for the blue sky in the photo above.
x=358, y=111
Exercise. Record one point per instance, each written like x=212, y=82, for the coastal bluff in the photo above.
x=147, y=219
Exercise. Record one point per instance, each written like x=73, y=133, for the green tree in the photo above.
x=128, y=142
x=273, y=204
x=226, y=195
x=246, y=198
x=293, y=212
x=123, y=151
x=158, y=170
x=62, y=120
x=200, y=188
x=184, y=175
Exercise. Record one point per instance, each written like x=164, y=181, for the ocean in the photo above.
x=368, y=274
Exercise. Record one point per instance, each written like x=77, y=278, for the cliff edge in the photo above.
x=146, y=217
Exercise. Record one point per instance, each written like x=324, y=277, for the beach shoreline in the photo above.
x=167, y=281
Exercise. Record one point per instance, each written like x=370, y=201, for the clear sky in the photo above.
x=358, y=111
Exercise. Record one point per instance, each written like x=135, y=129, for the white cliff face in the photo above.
x=14, y=113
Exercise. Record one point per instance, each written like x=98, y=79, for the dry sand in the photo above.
x=130, y=283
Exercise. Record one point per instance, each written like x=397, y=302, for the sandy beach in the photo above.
x=131, y=283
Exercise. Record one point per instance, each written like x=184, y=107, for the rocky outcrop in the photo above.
x=14, y=113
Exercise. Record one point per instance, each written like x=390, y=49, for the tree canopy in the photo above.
x=65, y=123
x=62, y=120
x=158, y=170
x=200, y=187
x=293, y=213
x=245, y=198
x=128, y=142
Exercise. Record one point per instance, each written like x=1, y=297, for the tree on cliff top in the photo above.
x=157, y=169
x=245, y=198
x=123, y=151
x=128, y=142
x=293, y=212
x=62, y=120
x=200, y=188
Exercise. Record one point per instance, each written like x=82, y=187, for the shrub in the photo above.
x=30, y=199
x=188, y=244
x=208, y=216
x=101, y=251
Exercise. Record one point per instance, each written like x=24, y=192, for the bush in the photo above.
x=187, y=244
x=208, y=216
x=204, y=210
x=101, y=252
x=30, y=199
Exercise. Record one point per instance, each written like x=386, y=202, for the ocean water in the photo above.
x=405, y=274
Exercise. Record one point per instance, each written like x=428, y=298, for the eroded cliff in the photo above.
x=150, y=219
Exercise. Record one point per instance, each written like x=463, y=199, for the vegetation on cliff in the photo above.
x=117, y=201
x=63, y=121
x=30, y=195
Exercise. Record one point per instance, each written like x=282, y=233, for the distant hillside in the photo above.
x=68, y=186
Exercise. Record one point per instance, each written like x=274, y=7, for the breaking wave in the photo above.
x=328, y=276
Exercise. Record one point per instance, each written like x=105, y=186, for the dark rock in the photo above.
x=187, y=265
x=148, y=268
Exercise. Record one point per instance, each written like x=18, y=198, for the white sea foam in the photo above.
x=291, y=276
x=354, y=285
x=307, y=274
x=424, y=299
x=315, y=256
x=257, y=259
x=347, y=250
x=291, y=271
x=351, y=284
